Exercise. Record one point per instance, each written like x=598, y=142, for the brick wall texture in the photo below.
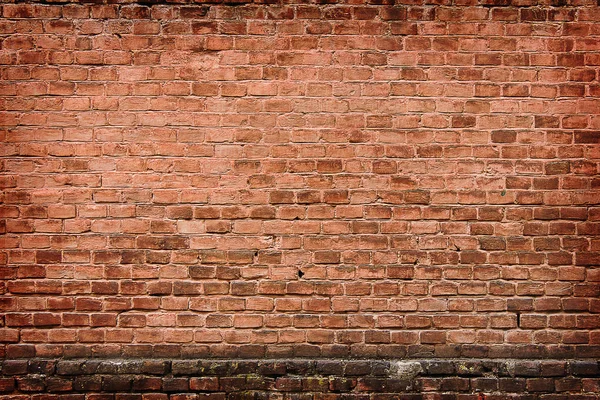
x=349, y=180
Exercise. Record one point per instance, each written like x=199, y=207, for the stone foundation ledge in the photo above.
x=160, y=379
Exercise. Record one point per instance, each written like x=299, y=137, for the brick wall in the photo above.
x=288, y=181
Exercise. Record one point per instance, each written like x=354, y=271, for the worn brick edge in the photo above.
x=299, y=351
x=253, y=377
x=453, y=3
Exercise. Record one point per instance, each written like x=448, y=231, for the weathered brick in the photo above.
x=370, y=179
x=585, y=368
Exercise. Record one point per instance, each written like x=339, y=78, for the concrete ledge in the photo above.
x=301, y=379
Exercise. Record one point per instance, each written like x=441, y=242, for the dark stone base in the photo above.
x=161, y=379
x=301, y=351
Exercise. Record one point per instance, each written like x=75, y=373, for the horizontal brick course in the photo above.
x=314, y=378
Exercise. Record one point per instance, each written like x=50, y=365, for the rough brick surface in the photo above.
x=331, y=379
x=366, y=179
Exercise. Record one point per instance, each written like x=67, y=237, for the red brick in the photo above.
x=370, y=155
